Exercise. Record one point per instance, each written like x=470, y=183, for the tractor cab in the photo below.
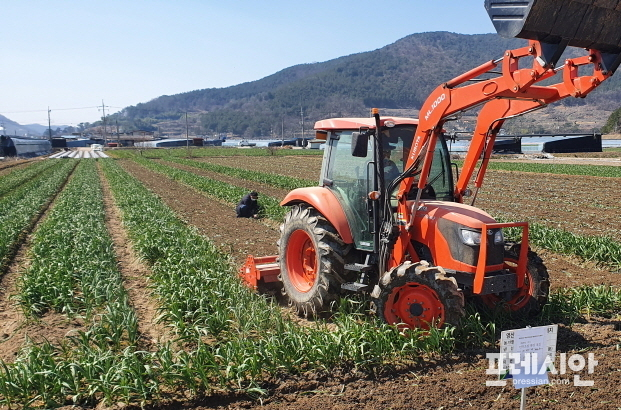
x=349, y=170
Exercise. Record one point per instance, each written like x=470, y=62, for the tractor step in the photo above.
x=358, y=267
x=354, y=286
x=259, y=270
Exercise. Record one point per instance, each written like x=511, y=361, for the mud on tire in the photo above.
x=311, y=261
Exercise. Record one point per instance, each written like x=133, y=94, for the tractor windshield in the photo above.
x=440, y=177
x=352, y=178
x=397, y=143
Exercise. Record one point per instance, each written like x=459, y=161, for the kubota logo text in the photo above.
x=434, y=105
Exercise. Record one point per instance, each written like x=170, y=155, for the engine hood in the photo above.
x=452, y=211
x=438, y=226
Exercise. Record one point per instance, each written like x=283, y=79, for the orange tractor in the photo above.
x=389, y=217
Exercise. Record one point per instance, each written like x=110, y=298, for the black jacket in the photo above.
x=251, y=207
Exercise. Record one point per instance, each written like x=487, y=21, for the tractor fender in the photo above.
x=326, y=203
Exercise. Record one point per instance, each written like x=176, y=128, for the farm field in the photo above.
x=120, y=288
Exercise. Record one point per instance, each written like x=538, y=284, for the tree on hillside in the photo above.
x=613, y=125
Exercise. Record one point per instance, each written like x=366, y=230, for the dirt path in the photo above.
x=135, y=276
x=583, y=205
x=596, y=158
x=217, y=221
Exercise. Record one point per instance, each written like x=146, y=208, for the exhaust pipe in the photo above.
x=591, y=24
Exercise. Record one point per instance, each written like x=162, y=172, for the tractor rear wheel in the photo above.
x=416, y=295
x=311, y=261
x=530, y=298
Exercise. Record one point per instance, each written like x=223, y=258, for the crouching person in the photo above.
x=248, y=207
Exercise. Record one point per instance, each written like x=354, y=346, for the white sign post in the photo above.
x=525, y=355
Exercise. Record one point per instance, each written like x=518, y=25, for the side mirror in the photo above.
x=359, y=144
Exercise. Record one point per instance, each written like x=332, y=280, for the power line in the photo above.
x=55, y=109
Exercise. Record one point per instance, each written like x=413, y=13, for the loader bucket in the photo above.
x=593, y=24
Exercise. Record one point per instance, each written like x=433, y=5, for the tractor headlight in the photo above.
x=471, y=238
x=498, y=237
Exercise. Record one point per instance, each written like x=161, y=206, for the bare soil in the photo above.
x=593, y=158
x=582, y=204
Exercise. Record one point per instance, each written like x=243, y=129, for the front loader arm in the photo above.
x=512, y=93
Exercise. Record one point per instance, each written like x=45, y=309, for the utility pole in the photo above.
x=302, y=114
x=49, y=124
x=118, y=136
x=103, y=109
x=187, y=133
x=282, y=132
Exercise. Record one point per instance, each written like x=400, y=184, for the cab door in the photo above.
x=350, y=179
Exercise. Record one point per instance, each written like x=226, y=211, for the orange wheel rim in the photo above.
x=522, y=295
x=414, y=306
x=301, y=261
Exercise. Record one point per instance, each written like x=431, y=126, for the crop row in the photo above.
x=73, y=271
x=18, y=177
x=212, y=152
x=19, y=208
x=278, y=181
x=270, y=207
x=567, y=169
x=599, y=249
x=74, y=267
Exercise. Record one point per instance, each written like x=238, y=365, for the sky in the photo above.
x=75, y=56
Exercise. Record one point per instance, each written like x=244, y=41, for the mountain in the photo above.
x=398, y=76
x=13, y=128
x=39, y=129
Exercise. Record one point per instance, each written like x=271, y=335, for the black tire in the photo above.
x=435, y=298
x=530, y=299
x=312, y=283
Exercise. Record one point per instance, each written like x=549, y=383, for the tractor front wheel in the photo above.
x=416, y=295
x=530, y=298
x=311, y=261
